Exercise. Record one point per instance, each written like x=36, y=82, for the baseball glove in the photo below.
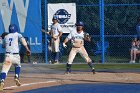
x=4, y=34
x=87, y=37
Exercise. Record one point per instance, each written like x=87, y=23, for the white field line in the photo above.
x=29, y=84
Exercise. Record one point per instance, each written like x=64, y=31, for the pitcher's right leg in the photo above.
x=72, y=54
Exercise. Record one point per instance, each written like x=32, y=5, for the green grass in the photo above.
x=97, y=59
x=85, y=66
x=98, y=66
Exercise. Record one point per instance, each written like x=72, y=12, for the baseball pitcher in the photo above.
x=11, y=42
x=77, y=38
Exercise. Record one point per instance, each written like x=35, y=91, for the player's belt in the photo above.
x=11, y=53
x=75, y=47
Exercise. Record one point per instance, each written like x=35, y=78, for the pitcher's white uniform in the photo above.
x=12, y=51
x=77, y=40
x=55, y=29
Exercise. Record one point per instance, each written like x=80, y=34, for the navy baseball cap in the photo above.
x=55, y=18
x=80, y=23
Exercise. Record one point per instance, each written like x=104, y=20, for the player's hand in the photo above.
x=28, y=52
x=45, y=31
x=55, y=37
x=64, y=45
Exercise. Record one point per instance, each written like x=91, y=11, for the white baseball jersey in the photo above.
x=56, y=28
x=76, y=38
x=12, y=42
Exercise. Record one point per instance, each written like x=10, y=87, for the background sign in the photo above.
x=66, y=13
x=26, y=14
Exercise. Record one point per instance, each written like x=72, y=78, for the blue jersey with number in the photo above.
x=12, y=42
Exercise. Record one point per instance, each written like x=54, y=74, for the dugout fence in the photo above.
x=112, y=21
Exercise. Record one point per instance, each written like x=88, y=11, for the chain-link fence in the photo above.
x=120, y=21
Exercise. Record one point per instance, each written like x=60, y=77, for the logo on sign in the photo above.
x=62, y=15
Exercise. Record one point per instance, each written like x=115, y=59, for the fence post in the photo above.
x=46, y=27
x=102, y=27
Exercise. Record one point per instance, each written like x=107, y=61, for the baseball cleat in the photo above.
x=1, y=85
x=132, y=62
x=55, y=62
x=18, y=83
x=66, y=73
x=93, y=71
